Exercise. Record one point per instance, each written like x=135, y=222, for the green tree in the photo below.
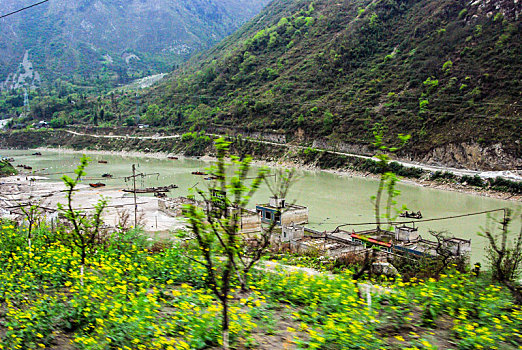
x=505, y=256
x=223, y=250
x=84, y=227
x=388, y=179
x=33, y=214
x=153, y=115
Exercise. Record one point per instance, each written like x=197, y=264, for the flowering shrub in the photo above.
x=133, y=298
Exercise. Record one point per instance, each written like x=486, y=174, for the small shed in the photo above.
x=458, y=246
x=282, y=213
x=406, y=233
x=291, y=232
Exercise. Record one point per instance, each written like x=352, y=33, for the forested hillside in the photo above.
x=447, y=72
x=112, y=41
x=444, y=71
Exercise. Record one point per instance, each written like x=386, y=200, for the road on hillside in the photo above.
x=483, y=174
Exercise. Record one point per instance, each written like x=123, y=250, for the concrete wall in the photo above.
x=250, y=222
x=295, y=216
x=293, y=232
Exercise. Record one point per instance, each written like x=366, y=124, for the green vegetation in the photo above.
x=331, y=76
x=505, y=254
x=497, y=184
x=327, y=71
x=70, y=42
x=387, y=179
x=216, y=228
x=80, y=286
x=195, y=144
x=6, y=168
x=153, y=297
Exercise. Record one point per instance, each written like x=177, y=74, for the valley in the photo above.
x=260, y=174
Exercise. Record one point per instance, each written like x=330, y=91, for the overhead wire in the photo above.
x=23, y=9
x=422, y=220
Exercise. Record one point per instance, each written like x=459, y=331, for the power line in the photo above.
x=23, y=9
x=422, y=220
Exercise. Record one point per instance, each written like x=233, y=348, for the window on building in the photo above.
x=268, y=215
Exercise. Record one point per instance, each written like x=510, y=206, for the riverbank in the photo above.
x=24, y=189
x=138, y=297
x=268, y=153
x=444, y=185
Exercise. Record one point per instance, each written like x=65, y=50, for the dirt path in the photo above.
x=458, y=171
x=154, y=137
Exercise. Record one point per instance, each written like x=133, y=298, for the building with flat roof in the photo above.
x=282, y=213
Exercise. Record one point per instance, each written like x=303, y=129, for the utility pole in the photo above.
x=134, y=191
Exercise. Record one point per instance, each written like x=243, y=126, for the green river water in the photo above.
x=332, y=199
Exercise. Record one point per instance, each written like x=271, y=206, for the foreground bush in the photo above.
x=136, y=297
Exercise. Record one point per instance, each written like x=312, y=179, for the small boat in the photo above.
x=412, y=215
x=161, y=189
x=96, y=185
x=212, y=177
x=37, y=154
x=20, y=166
x=107, y=175
x=27, y=167
x=102, y=161
x=198, y=173
x=173, y=157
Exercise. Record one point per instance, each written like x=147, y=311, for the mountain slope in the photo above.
x=114, y=39
x=448, y=72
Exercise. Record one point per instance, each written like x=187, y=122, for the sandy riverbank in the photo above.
x=445, y=186
x=16, y=190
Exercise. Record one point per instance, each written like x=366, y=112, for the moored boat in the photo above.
x=412, y=215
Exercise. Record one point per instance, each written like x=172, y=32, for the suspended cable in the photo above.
x=421, y=220
x=23, y=9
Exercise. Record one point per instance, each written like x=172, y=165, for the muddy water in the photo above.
x=332, y=199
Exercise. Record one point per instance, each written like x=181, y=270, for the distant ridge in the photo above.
x=448, y=72
x=114, y=40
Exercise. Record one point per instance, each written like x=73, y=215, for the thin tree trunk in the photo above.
x=225, y=325
x=378, y=202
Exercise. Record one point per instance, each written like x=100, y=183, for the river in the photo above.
x=332, y=199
